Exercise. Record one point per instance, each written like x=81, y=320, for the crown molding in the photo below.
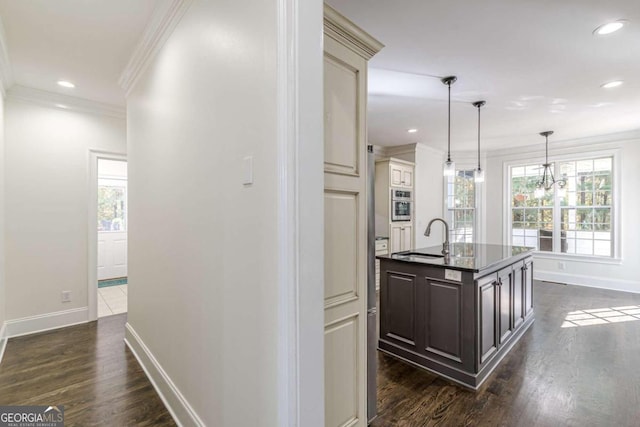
x=162, y=23
x=397, y=150
x=424, y=147
x=6, y=73
x=64, y=102
x=346, y=32
x=586, y=144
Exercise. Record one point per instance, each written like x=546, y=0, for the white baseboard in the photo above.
x=589, y=281
x=182, y=413
x=3, y=339
x=46, y=322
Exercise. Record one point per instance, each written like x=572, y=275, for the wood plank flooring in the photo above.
x=573, y=376
x=88, y=369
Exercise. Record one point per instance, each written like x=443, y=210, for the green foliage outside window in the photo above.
x=111, y=208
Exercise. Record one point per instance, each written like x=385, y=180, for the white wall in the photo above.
x=2, y=226
x=203, y=278
x=112, y=169
x=47, y=194
x=429, y=195
x=428, y=188
x=621, y=275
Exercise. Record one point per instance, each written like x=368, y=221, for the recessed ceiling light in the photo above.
x=412, y=130
x=600, y=104
x=611, y=84
x=65, y=83
x=61, y=106
x=610, y=27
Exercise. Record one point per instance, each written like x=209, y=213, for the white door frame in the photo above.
x=300, y=243
x=92, y=254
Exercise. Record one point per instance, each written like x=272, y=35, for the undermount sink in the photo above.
x=419, y=254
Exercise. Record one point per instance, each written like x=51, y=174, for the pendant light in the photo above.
x=449, y=166
x=547, y=181
x=478, y=174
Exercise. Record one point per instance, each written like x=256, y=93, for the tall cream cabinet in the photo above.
x=392, y=174
x=347, y=49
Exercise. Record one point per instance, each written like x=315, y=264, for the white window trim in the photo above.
x=616, y=208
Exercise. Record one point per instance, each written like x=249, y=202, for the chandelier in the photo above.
x=547, y=181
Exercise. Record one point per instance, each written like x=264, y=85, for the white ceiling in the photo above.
x=87, y=42
x=535, y=62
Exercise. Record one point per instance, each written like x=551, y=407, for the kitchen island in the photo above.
x=456, y=315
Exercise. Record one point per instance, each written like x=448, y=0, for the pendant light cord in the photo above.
x=479, y=137
x=449, y=128
x=479, y=104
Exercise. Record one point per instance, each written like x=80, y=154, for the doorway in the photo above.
x=108, y=235
x=112, y=237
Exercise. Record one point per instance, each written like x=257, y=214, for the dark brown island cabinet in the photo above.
x=459, y=315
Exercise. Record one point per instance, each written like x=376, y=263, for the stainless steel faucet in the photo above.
x=445, y=245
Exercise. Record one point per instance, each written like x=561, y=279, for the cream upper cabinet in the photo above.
x=400, y=175
x=346, y=51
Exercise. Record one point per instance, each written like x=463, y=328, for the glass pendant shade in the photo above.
x=449, y=168
x=561, y=191
x=539, y=193
x=478, y=175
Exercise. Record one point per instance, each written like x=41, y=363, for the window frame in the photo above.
x=616, y=183
x=478, y=224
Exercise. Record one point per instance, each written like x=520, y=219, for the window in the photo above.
x=578, y=222
x=461, y=206
x=112, y=205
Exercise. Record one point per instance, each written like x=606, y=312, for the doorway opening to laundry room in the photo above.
x=112, y=225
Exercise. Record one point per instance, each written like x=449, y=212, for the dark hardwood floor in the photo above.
x=88, y=369
x=575, y=375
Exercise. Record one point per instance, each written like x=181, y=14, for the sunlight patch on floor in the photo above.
x=602, y=316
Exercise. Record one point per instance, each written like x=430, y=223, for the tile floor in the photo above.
x=112, y=300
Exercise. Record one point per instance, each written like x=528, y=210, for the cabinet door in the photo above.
x=407, y=237
x=401, y=237
x=407, y=176
x=401, y=175
x=395, y=238
x=505, y=285
x=487, y=318
x=527, y=277
x=518, y=295
x=395, y=173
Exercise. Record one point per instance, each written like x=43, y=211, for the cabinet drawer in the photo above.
x=382, y=245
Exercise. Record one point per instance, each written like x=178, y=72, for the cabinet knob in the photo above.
x=499, y=281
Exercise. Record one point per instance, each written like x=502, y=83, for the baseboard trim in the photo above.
x=46, y=322
x=589, y=281
x=182, y=413
x=3, y=339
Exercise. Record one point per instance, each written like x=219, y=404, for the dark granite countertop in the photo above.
x=463, y=256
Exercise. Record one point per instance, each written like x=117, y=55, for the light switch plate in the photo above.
x=247, y=170
x=66, y=296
